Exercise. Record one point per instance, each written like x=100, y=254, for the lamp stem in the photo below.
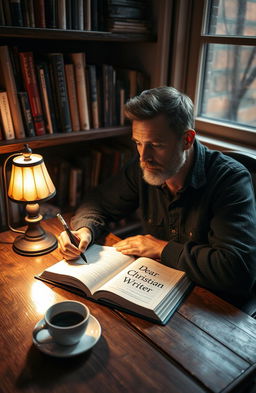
x=6, y=195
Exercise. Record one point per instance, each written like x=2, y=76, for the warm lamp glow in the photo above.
x=30, y=184
x=30, y=181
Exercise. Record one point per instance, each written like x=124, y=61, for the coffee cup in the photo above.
x=65, y=321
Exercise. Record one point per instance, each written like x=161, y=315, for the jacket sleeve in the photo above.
x=110, y=201
x=227, y=262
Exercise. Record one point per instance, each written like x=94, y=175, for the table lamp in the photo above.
x=29, y=184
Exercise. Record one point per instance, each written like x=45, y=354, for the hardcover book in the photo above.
x=58, y=71
x=6, y=118
x=51, y=14
x=8, y=82
x=30, y=81
x=27, y=115
x=139, y=286
x=39, y=10
x=78, y=59
x=72, y=95
x=16, y=13
x=2, y=16
x=45, y=87
x=93, y=93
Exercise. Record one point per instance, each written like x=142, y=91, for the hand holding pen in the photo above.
x=73, y=239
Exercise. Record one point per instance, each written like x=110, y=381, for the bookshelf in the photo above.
x=147, y=52
x=10, y=146
x=10, y=32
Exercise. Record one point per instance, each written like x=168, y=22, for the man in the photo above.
x=197, y=205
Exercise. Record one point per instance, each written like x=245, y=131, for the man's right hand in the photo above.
x=69, y=250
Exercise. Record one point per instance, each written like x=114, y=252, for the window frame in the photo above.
x=189, y=43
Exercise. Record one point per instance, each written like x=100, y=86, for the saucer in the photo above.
x=44, y=342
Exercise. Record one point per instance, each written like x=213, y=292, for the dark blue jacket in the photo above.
x=210, y=225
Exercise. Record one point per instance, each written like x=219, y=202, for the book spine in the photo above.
x=11, y=88
x=16, y=69
x=72, y=95
x=31, y=13
x=87, y=15
x=50, y=14
x=122, y=103
x=27, y=115
x=93, y=95
x=62, y=14
x=68, y=14
x=77, y=12
x=25, y=13
x=78, y=60
x=7, y=13
x=57, y=62
x=101, y=16
x=106, y=94
x=6, y=116
x=114, y=98
x=39, y=11
x=29, y=76
x=2, y=16
x=45, y=98
x=49, y=90
x=80, y=15
x=74, y=15
x=94, y=15
x=126, y=12
x=16, y=13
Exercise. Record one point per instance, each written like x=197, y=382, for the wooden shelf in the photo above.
x=77, y=35
x=10, y=146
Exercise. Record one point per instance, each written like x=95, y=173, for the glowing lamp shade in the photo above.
x=30, y=181
x=30, y=184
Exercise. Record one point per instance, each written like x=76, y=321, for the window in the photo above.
x=222, y=56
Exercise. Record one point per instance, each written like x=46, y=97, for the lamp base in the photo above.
x=35, y=241
x=28, y=246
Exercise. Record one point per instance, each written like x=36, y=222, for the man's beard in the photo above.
x=159, y=176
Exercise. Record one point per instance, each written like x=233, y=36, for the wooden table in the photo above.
x=207, y=346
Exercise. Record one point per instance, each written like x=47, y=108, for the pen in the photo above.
x=72, y=238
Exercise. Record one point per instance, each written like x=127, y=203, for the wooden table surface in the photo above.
x=207, y=346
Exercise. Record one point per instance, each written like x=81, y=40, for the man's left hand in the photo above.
x=143, y=246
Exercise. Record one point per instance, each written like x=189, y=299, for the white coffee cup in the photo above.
x=65, y=321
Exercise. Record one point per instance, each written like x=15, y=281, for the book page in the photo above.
x=144, y=282
x=103, y=263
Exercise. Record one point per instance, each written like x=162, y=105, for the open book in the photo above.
x=141, y=286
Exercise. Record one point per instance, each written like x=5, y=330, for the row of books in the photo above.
x=127, y=16
x=52, y=14
x=73, y=178
x=95, y=15
x=56, y=92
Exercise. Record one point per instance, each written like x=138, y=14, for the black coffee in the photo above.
x=67, y=318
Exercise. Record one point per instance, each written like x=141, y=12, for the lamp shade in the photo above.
x=30, y=181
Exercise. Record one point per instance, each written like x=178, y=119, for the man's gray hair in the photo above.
x=176, y=106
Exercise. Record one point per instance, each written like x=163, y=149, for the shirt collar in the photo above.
x=197, y=175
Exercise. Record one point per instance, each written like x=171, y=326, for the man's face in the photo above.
x=161, y=152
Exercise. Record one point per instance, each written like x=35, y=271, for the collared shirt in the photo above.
x=210, y=224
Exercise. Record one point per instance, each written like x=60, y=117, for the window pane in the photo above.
x=232, y=17
x=228, y=91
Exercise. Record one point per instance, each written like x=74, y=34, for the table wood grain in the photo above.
x=207, y=346
x=208, y=338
